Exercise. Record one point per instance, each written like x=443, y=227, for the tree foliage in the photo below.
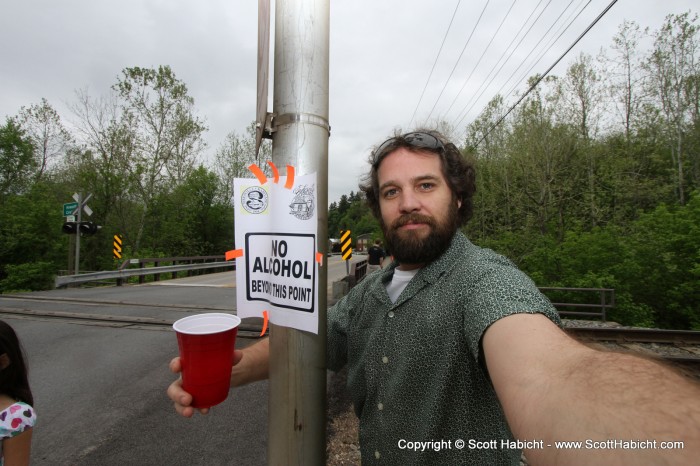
x=49, y=138
x=581, y=197
x=351, y=213
x=17, y=164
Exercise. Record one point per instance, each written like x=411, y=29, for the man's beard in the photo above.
x=409, y=247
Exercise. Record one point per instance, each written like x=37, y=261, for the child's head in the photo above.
x=13, y=370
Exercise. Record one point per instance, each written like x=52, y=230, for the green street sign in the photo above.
x=69, y=208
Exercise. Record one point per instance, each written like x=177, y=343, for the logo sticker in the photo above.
x=302, y=206
x=254, y=200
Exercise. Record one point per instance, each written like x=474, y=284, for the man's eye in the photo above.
x=389, y=193
x=427, y=186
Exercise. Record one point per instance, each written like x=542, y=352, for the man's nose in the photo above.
x=409, y=202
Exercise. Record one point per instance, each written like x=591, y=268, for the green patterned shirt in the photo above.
x=416, y=370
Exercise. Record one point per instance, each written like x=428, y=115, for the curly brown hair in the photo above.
x=457, y=170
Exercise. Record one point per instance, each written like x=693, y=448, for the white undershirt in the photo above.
x=399, y=282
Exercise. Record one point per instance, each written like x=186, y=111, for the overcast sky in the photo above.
x=382, y=53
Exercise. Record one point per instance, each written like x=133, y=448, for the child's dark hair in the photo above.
x=13, y=378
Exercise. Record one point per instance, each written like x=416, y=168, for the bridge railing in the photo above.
x=156, y=261
x=178, y=264
x=359, y=270
x=604, y=300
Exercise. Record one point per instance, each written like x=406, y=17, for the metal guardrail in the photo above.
x=123, y=274
x=143, y=263
x=606, y=301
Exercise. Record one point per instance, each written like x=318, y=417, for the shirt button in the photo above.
x=385, y=359
x=380, y=406
x=391, y=314
x=376, y=454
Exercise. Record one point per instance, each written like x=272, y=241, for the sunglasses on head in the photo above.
x=416, y=139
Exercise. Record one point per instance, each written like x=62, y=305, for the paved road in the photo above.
x=100, y=390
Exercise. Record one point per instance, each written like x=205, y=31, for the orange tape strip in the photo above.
x=264, y=329
x=290, y=177
x=258, y=173
x=275, y=172
x=319, y=258
x=234, y=254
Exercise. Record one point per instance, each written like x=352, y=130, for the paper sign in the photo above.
x=277, y=272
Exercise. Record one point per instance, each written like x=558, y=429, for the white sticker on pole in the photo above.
x=277, y=248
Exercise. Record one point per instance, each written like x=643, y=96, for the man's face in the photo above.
x=419, y=212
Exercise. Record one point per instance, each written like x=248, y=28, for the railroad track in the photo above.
x=117, y=321
x=652, y=342
x=636, y=335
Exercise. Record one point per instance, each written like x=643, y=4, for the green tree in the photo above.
x=164, y=135
x=674, y=66
x=666, y=246
x=17, y=163
x=236, y=154
x=31, y=236
x=98, y=167
x=355, y=216
x=191, y=220
x=625, y=78
x=50, y=138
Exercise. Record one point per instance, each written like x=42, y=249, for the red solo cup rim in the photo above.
x=202, y=324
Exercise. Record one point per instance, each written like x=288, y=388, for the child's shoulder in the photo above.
x=6, y=402
x=16, y=418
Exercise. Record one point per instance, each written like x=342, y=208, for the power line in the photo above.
x=435, y=63
x=481, y=57
x=546, y=47
x=590, y=26
x=474, y=99
x=458, y=59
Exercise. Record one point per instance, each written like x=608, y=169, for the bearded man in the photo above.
x=455, y=357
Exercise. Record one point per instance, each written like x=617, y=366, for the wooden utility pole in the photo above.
x=300, y=132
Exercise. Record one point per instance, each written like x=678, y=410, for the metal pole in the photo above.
x=77, y=233
x=297, y=387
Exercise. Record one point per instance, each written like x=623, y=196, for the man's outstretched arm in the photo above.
x=555, y=389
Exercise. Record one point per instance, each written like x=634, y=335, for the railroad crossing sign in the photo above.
x=71, y=208
x=83, y=204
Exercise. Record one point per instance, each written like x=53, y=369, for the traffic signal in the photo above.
x=89, y=228
x=86, y=228
x=70, y=228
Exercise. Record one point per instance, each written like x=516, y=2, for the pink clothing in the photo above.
x=14, y=420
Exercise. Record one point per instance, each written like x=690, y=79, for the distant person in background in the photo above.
x=17, y=416
x=376, y=257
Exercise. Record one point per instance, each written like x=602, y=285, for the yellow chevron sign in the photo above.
x=117, y=251
x=346, y=245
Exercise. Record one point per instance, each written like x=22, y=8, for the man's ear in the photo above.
x=4, y=361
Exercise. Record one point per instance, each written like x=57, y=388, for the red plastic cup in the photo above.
x=206, y=343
